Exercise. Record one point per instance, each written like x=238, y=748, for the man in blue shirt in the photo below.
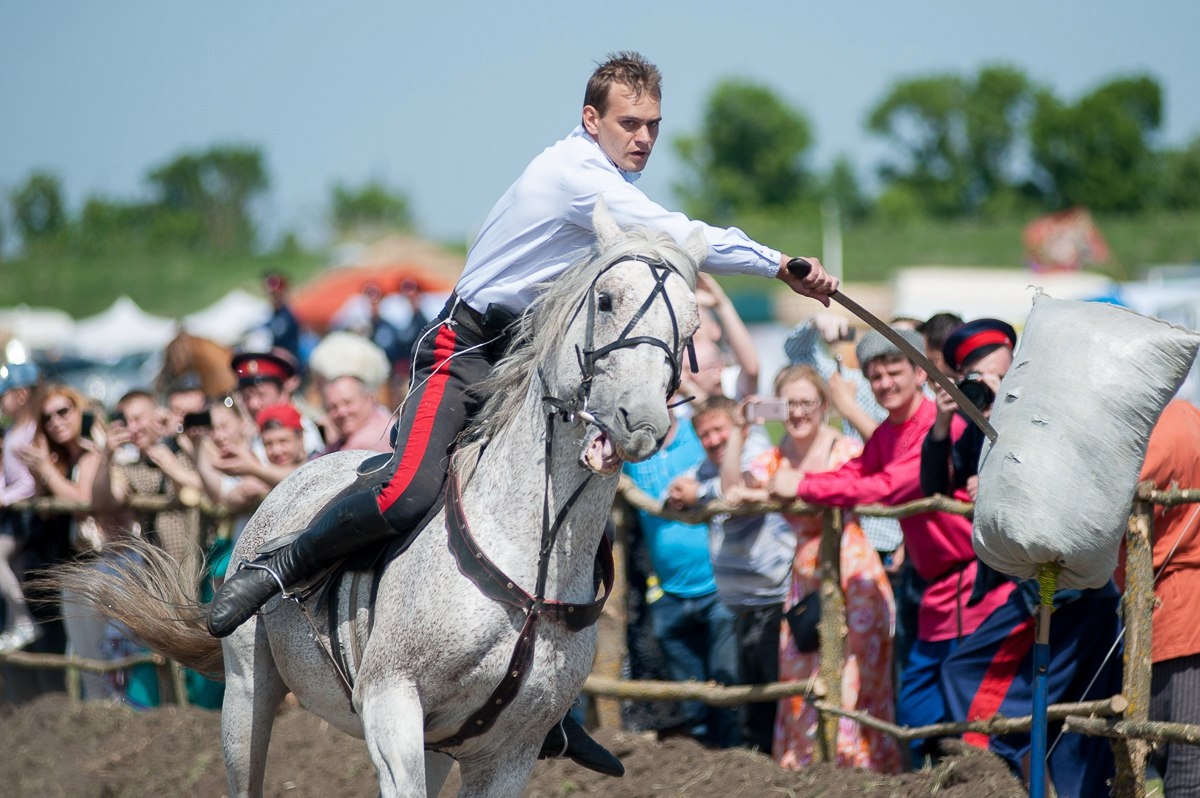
x=531, y=235
x=693, y=627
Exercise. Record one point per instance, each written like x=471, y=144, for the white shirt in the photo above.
x=543, y=223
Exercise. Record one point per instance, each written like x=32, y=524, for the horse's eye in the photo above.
x=604, y=302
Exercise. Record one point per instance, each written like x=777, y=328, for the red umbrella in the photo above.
x=316, y=302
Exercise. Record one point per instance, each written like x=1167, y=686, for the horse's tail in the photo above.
x=139, y=586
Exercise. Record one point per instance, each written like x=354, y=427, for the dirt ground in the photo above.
x=53, y=748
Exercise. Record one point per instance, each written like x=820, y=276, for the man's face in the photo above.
x=13, y=400
x=994, y=364
x=284, y=446
x=627, y=130
x=713, y=431
x=142, y=421
x=180, y=403
x=261, y=395
x=895, y=383
x=348, y=404
x=934, y=353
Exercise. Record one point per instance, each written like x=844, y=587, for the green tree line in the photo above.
x=199, y=202
x=995, y=144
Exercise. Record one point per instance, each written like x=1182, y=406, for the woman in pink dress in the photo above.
x=812, y=445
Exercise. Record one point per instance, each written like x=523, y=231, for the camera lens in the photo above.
x=977, y=391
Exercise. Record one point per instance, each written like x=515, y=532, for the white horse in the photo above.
x=426, y=658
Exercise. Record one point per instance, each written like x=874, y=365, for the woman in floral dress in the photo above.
x=812, y=445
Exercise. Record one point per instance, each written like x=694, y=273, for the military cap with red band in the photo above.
x=252, y=368
x=975, y=339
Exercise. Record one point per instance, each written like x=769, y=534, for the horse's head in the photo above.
x=624, y=342
x=207, y=360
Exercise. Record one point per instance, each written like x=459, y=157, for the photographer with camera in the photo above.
x=982, y=352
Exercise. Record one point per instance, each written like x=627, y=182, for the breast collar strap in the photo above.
x=496, y=585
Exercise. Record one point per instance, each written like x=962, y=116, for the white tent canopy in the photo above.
x=992, y=293
x=123, y=329
x=229, y=318
x=36, y=328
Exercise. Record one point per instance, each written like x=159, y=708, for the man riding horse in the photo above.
x=531, y=235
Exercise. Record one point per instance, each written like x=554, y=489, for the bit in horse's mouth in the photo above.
x=599, y=453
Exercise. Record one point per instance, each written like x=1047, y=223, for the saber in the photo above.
x=800, y=268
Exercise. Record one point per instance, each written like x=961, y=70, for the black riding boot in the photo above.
x=350, y=524
x=567, y=738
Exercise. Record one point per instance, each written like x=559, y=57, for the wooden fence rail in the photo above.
x=1130, y=732
x=1123, y=718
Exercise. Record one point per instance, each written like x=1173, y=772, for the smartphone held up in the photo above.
x=761, y=410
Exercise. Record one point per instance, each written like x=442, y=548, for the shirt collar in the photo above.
x=630, y=177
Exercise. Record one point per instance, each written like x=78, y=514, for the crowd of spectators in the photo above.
x=932, y=634
x=731, y=601
x=211, y=458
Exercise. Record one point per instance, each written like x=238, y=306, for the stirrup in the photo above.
x=566, y=744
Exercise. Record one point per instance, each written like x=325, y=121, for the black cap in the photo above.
x=252, y=368
x=971, y=341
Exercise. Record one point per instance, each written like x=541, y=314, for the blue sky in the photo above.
x=448, y=101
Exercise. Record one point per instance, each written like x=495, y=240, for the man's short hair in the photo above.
x=625, y=68
x=717, y=403
x=937, y=329
x=136, y=393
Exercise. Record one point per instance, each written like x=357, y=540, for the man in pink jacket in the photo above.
x=939, y=544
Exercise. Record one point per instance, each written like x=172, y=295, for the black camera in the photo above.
x=194, y=420
x=976, y=390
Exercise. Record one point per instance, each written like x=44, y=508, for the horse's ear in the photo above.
x=697, y=247
x=608, y=232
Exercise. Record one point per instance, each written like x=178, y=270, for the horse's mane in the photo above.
x=540, y=332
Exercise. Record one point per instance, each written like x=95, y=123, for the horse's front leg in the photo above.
x=394, y=726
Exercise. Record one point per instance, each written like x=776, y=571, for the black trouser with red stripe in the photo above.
x=448, y=360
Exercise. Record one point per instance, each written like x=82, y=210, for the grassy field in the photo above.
x=180, y=284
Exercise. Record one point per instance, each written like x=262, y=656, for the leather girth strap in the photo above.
x=493, y=583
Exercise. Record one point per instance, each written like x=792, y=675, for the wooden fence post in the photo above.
x=833, y=629
x=613, y=623
x=1131, y=754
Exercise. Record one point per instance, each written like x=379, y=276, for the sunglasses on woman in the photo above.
x=61, y=412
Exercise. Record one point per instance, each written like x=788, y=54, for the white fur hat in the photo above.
x=344, y=354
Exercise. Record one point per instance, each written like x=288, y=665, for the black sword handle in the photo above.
x=799, y=268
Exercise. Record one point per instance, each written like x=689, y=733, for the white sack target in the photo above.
x=1073, y=418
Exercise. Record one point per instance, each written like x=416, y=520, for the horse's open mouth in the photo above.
x=599, y=453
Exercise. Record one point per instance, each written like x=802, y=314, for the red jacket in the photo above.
x=938, y=544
